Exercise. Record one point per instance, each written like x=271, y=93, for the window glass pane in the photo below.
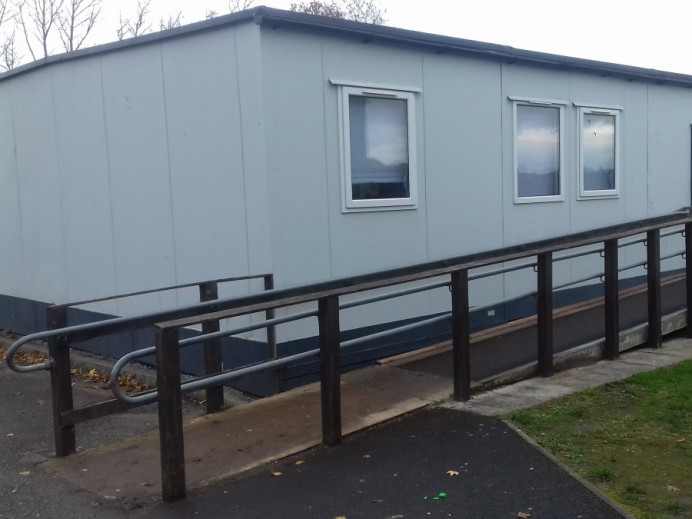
x=538, y=151
x=598, y=151
x=379, y=148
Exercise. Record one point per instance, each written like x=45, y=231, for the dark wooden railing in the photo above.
x=328, y=294
x=60, y=336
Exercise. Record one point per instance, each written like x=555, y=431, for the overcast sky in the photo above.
x=651, y=34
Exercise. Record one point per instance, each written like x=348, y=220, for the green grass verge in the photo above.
x=632, y=439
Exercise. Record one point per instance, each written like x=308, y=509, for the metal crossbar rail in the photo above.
x=227, y=376
x=327, y=296
x=65, y=417
x=200, y=383
x=143, y=352
x=84, y=332
x=166, y=289
x=151, y=395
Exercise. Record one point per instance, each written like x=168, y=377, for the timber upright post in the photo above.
x=653, y=276
x=612, y=302
x=172, y=443
x=330, y=366
x=209, y=291
x=60, y=382
x=273, y=388
x=461, y=343
x=688, y=275
x=545, y=314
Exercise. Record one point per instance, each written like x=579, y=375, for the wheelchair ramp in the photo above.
x=248, y=436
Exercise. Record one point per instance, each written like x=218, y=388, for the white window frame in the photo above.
x=601, y=193
x=378, y=204
x=560, y=197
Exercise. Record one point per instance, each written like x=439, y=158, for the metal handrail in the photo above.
x=143, y=352
x=360, y=340
x=164, y=289
x=229, y=307
x=113, y=325
x=206, y=382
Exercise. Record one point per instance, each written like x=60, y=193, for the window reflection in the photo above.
x=538, y=150
x=379, y=148
x=598, y=152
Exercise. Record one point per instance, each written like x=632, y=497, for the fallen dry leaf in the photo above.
x=300, y=462
x=276, y=474
x=452, y=472
x=671, y=488
x=682, y=440
x=523, y=515
x=25, y=473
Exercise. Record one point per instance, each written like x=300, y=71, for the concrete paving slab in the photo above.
x=537, y=390
x=228, y=443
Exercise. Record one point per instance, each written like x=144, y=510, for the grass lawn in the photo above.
x=632, y=439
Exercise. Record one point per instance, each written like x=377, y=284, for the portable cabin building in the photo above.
x=315, y=148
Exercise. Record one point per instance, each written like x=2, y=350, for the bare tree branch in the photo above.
x=332, y=9
x=368, y=11
x=37, y=19
x=131, y=28
x=9, y=58
x=365, y=11
x=76, y=20
x=235, y=6
x=4, y=10
x=172, y=22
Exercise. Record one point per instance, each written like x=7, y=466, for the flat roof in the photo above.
x=277, y=18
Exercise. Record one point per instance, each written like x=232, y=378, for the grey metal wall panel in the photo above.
x=296, y=165
x=12, y=253
x=84, y=192
x=205, y=157
x=218, y=153
x=135, y=114
x=43, y=246
x=251, y=85
x=463, y=159
x=635, y=156
x=670, y=116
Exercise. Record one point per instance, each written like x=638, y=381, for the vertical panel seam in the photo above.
x=326, y=166
x=19, y=197
x=109, y=174
x=170, y=173
x=242, y=154
x=63, y=253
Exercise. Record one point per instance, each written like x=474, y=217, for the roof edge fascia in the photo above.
x=278, y=18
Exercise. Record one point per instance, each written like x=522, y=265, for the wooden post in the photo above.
x=212, y=350
x=172, y=443
x=60, y=383
x=330, y=369
x=461, y=342
x=545, y=314
x=688, y=275
x=653, y=275
x=612, y=307
x=273, y=381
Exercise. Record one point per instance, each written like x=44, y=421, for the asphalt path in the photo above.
x=432, y=463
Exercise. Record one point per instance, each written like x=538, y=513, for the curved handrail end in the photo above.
x=12, y=351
